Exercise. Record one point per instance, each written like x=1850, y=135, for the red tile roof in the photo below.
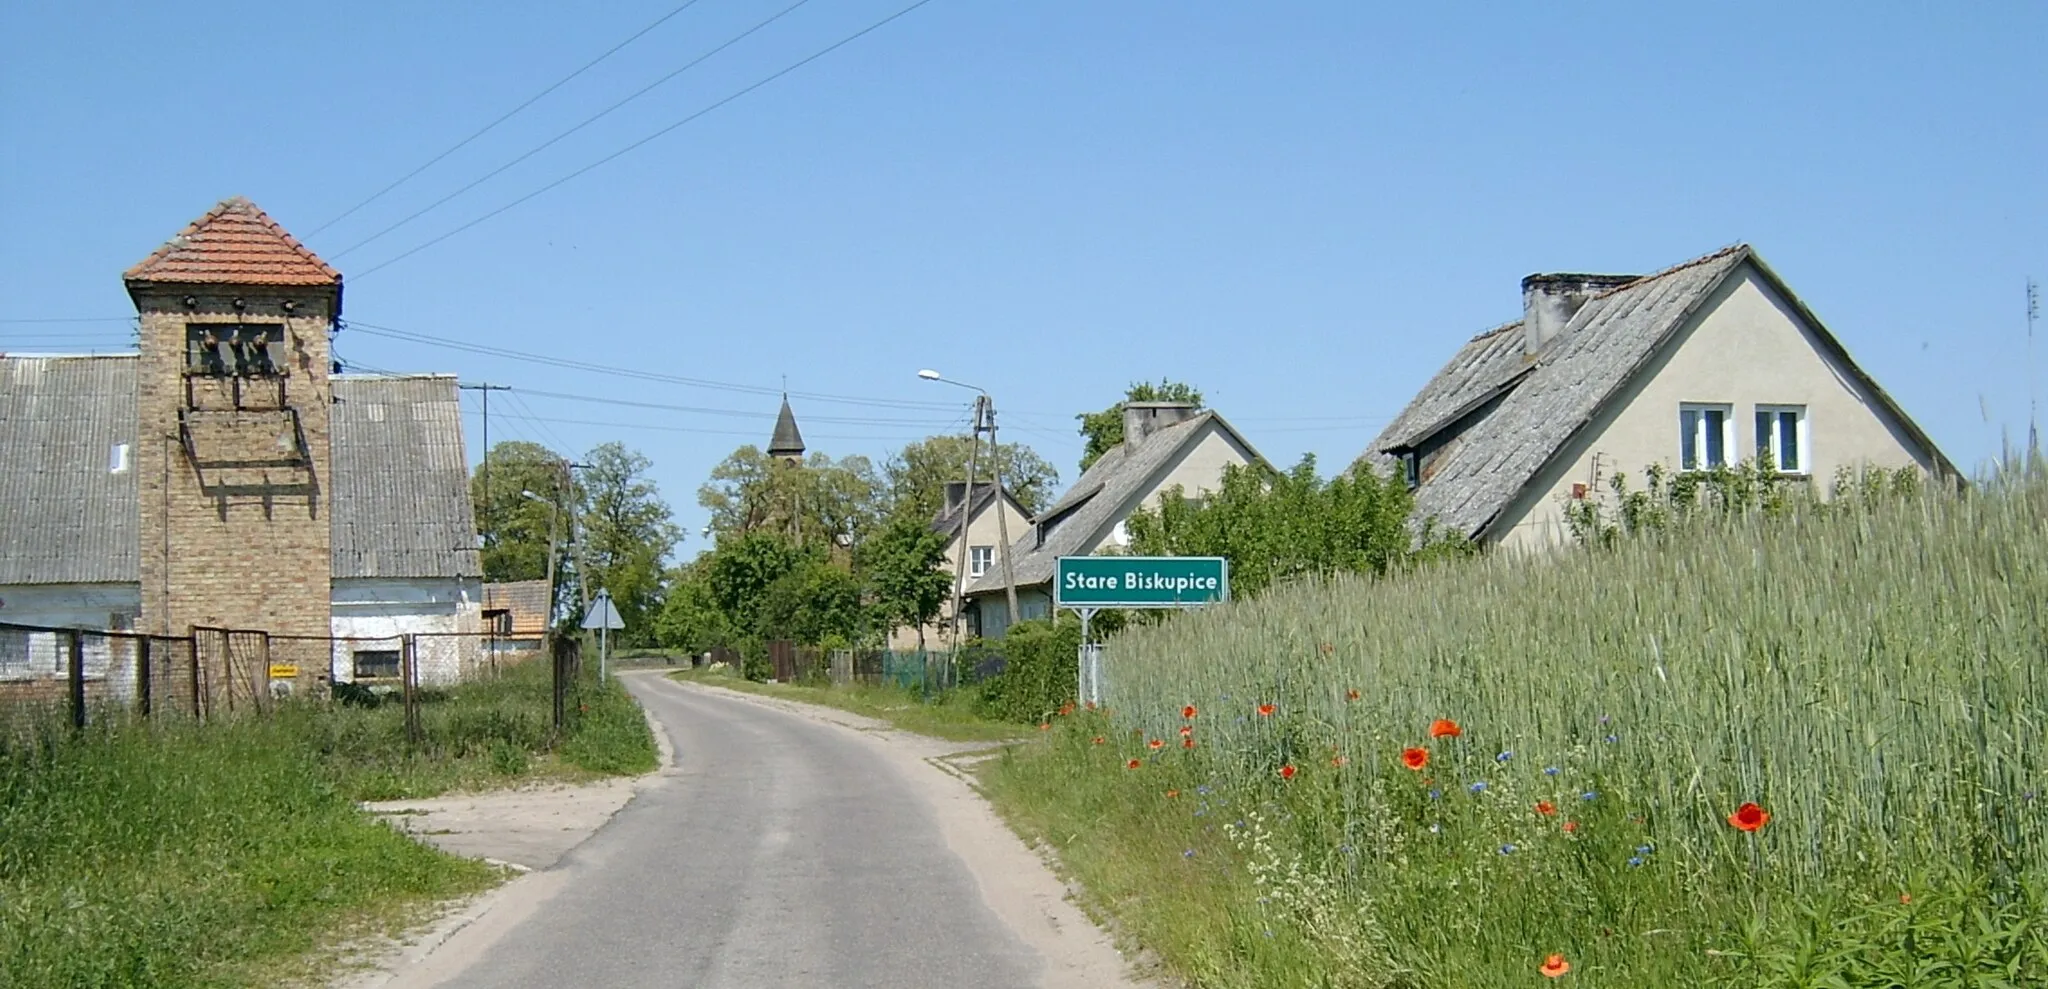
x=235, y=243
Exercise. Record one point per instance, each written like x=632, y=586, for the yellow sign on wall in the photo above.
x=283, y=671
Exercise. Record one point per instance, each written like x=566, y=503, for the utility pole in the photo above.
x=995, y=455
x=966, y=551
x=575, y=538
x=2033, y=407
x=484, y=523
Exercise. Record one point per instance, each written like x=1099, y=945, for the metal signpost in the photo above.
x=1088, y=584
x=604, y=618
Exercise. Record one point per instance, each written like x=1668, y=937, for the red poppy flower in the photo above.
x=1187, y=743
x=1571, y=827
x=1155, y=744
x=1554, y=966
x=1906, y=898
x=1287, y=771
x=1444, y=728
x=1265, y=710
x=1042, y=726
x=1170, y=794
x=1066, y=709
x=1133, y=764
x=1749, y=817
x=1340, y=762
x=1090, y=705
x=1327, y=648
x=1351, y=695
x=1188, y=712
x=1099, y=740
x=1415, y=758
x=1545, y=808
x=1187, y=731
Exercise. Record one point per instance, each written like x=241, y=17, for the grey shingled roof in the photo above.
x=65, y=516
x=401, y=484
x=948, y=523
x=787, y=441
x=1096, y=501
x=400, y=487
x=1496, y=417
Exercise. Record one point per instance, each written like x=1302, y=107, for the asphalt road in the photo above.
x=781, y=851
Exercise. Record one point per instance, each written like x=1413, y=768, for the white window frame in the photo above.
x=1700, y=432
x=979, y=559
x=1802, y=436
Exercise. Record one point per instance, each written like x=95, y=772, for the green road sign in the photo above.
x=1140, y=581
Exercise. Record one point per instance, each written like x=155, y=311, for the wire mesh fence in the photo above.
x=924, y=672
x=84, y=676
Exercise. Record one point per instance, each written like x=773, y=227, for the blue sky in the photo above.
x=1302, y=208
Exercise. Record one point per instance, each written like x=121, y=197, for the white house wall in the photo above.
x=1746, y=347
x=982, y=530
x=371, y=613
x=71, y=605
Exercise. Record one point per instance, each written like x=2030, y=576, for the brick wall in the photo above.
x=232, y=537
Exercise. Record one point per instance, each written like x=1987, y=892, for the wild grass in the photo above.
x=175, y=854
x=949, y=715
x=1872, y=680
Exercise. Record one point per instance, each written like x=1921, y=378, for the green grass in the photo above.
x=1873, y=680
x=175, y=854
x=949, y=716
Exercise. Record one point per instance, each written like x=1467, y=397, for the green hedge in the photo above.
x=1039, y=674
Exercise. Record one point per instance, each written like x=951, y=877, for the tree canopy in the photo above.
x=516, y=528
x=1104, y=430
x=823, y=501
x=916, y=476
x=627, y=534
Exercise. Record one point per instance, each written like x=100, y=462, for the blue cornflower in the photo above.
x=1190, y=853
x=1507, y=849
x=1645, y=849
x=1611, y=739
x=1436, y=794
x=1201, y=811
x=1632, y=863
x=1503, y=757
x=1203, y=789
x=1478, y=787
x=1588, y=795
x=1550, y=770
x=1346, y=849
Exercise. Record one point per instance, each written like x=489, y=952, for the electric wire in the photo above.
x=551, y=142
x=509, y=114
x=821, y=53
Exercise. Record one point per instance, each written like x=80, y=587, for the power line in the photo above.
x=821, y=53
x=509, y=114
x=587, y=121
x=660, y=427
x=72, y=319
x=735, y=413
x=394, y=333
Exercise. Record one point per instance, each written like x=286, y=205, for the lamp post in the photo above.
x=984, y=418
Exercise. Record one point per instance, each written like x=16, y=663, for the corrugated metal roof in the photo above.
x=1496, y=451
x=67, y=514
x=1083, y=516
x=401, y=483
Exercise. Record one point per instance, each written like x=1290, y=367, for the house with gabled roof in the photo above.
x=1167, y=445
x=227, y=476
x=973, y=529
x=1710, y=363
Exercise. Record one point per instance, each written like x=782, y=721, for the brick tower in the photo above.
x=233, y=398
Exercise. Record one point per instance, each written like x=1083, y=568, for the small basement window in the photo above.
x=244, y=349
x=1705, y=432
x=372, y=664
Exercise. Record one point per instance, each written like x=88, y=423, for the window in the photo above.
x=223, y=349
x=1781, y=438
x=1704, y=436
x=1411, y=469
x=372, y=663
x=978, y=559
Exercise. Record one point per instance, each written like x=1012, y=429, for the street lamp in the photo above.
x=984, y=418
x=554, y=519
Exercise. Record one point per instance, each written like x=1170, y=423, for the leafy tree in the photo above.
x=819, y=501
x=740, y=571
x=905, y=569
x=1104, y=430
x=1273, y=526
x=691, y=617
x=816, y=603
x=627, y=532
x=516, y=528
x=916, y=476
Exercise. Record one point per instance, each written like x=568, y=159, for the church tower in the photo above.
x=787, y=445
x=233, y=397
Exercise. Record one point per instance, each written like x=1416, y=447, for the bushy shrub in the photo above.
x=1040, y=662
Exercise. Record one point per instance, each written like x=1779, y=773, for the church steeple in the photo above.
x=787, y=444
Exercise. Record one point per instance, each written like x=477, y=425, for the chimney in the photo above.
x=956, y=492
x=1142, y=419
x=1550, y=301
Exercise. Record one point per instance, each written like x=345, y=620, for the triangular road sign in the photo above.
x=603, y=615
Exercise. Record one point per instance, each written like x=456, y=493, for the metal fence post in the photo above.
x=142, y=676
x=77, y=671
